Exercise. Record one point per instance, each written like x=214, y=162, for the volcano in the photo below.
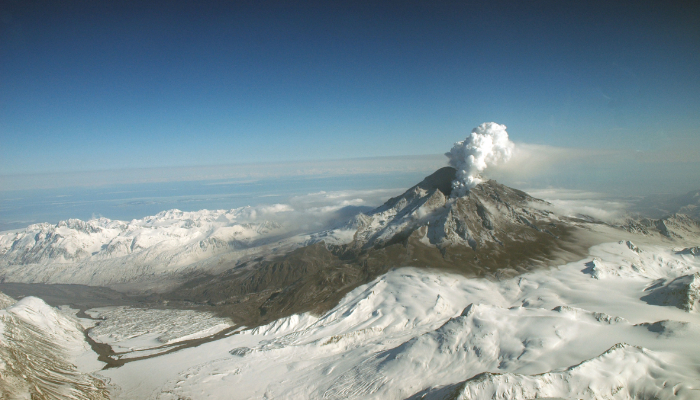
x=490, y=218
x=492, y=231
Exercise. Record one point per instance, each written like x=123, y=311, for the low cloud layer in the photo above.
x=320, y=210
x=577, y=203
x=225, y=174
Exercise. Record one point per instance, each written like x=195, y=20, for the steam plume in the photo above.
x=487, y=145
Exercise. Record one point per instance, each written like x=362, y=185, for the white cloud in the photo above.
x=319, y=210
x=488, y=144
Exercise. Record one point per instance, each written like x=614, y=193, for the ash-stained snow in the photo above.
x=129, y=329
x=415, y=332
x=103, y=251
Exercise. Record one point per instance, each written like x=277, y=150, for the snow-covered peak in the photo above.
x=489, y=213
x=57, y=326
x=39, y=350
x=682, y=292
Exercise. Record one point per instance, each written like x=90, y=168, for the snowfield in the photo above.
x=103, y=252
x=582, y=330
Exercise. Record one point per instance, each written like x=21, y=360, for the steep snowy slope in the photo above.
x=103, y=252
x=682, y=292
x=416, y=332
x=39, y=350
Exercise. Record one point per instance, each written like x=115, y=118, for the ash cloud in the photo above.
x=488, y=144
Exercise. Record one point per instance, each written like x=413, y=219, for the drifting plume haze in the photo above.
x=488, y=144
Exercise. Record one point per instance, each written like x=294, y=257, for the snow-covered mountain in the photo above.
x=417, y=333
x=103, y=251
x=614, y=374
x=488, y=295
x=410, y=333
x=492, y=230
x=39, y=350
x=678, y=226
x=682, y=292
x=489, y=214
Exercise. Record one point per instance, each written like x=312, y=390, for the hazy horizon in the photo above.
x=597, y=97
x=550, y=173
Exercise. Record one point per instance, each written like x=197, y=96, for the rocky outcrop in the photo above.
x=682, y=292
x=675, y=226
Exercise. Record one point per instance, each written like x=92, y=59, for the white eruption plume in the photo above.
x=488, y=144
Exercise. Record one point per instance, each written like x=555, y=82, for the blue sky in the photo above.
x=105, y=85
